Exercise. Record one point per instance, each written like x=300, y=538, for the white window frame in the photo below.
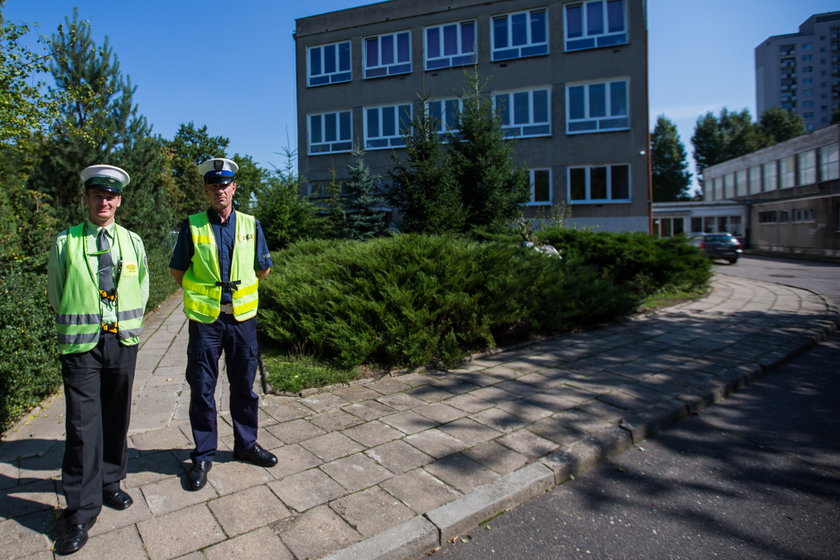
x=459, y=58
x=530, y=47
x=531, y=128
x=344, y=138
x=382, y=141
x=610, y=121
x=381, y=70
x=443, y=124
x=588, y=186
x=327, y=78
x=531, y=177
x=587, y=40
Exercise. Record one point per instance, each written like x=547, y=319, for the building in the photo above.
x=784, y=199
x=569, y=78
x=800, y=72
x=792, y=190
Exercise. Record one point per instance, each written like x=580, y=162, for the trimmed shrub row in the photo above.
x=411, y=300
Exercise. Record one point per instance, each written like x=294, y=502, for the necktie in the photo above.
x=106, y=266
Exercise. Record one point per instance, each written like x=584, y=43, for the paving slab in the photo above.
x=384, y=468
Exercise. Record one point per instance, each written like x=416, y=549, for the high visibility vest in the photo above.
x=202, y=292
x=79, y=318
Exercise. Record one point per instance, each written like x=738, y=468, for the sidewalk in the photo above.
x=390, y=468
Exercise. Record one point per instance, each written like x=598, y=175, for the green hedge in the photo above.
x=415, y=299
x=643, y=263
x=29, y=367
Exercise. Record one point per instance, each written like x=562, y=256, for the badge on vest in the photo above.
x=130, y=269
x=246, y=237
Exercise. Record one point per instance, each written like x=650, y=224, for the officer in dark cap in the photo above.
x=98, y=285
x=219, y=259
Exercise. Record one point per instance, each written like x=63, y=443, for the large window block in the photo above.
x=385, y=127
x=386, y=55
x=330, y=132
x=597, y=107
x=329, y=64
x=596, y=23
x=519, y=35
x=450, y=45
x=524, y=113
x=599, y=184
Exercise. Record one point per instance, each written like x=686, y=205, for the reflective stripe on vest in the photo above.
x=202, y=297
x=79, y=317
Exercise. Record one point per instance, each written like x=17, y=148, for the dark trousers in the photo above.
x=239, y=342
x=97, y=388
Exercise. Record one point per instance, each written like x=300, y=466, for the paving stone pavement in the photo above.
x=392, y=467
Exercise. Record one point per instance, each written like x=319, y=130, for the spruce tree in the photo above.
x=365, y=212
x=424, y=191
x=492, y=186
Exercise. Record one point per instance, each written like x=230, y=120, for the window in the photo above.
x=802, y=215
x=385, y=126
x=768, y=217
x=450, y=45
x=597, y=107
x=601, y=183
x=329, y=64
x=770, y=177
x=829, y=162
x=787, y=172
x=755, y=180
x=519, y=35
x=330, y=133
x=524, y=113
x=593, y=24
x=386, y=55
x=807, y=164
x=540, y=187
x=444, y=113
x=741, y=182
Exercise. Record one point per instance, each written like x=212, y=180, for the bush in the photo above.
x=161, y=284
x=638, y=261
x=414, y=299
x=29, y=370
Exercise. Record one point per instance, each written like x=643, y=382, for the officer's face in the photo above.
x=220, y=197
x=102, y=205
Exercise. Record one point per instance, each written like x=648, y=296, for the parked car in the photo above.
x=718, y=246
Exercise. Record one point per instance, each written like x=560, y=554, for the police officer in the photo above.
x=98, y=285
x=219, y=259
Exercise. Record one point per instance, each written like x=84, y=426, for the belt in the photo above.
x=226, y=308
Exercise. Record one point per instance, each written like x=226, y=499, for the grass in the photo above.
x=293, y=374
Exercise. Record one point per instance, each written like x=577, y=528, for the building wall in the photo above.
x=557, y=151
x=800, y=71
x=792, y=190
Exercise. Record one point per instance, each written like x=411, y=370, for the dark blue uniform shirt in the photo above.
x=225, y=235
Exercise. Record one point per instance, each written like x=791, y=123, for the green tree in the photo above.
x=424, y=190
x=191, y=146
x=670, y=175
x=365, y=214
x=285, y=216
x=718, y=139
x=492, y=186
x=835, y=115
x=779, y=125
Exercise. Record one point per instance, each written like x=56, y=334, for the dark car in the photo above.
x=719, y=246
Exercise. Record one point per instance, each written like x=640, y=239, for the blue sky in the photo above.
x=230, y=65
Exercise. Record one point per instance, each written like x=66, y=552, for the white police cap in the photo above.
x=218, y=171
x=105, y=177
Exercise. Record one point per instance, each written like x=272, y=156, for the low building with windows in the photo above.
x=789, y=196
x=569, y=79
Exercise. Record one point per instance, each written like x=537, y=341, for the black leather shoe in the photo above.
x=116, y=499
x=197, y=475
x=74, y=538
x=257, y=455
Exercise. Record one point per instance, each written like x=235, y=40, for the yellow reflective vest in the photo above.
x=202, y=292
x=79, y=317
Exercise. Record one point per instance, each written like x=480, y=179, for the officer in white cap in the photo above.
x=98, y=285
x=219, y=259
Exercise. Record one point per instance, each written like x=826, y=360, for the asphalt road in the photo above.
x=756, y=476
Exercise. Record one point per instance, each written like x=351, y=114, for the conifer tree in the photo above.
x=365, y=212
x=492, y=186
x=424, y=191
